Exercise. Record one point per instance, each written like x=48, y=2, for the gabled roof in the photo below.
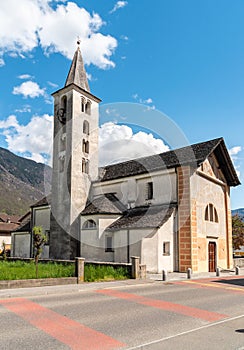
x=9, y=218
x=42, y=202
x=77, y=73
x=104, y=204
x=193, y=155
x=143, y=217
x=7, y=227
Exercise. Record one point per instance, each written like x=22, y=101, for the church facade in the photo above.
x=171, y=209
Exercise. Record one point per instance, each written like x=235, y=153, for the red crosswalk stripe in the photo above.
x=165, y=305
x=65, y=330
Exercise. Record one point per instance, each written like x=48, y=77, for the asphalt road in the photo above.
x=197, y=314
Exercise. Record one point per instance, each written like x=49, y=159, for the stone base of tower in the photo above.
x=63, y=245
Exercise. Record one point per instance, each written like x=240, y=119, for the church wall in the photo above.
x=92, y=241
x=153, y=254
x=133, y=190
x=204, y=192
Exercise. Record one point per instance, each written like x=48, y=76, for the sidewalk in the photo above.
x=177, y=276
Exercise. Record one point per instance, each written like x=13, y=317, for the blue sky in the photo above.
x=183, y=58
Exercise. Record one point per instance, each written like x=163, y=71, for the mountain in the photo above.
x=239, y=212
x=22, y=182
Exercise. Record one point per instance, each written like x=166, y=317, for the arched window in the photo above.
x=85, y=166
x=211, y=213
x=88, y=107
x=85, y=146
x=89, y=225
x=86, y=127
x=61, y=113
x=83, y=103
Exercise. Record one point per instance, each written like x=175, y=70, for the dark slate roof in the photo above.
x=193, y=155
x=44, y=201
x=25, y=227
x=77, y=73
x=104, y=204
x=143, y=217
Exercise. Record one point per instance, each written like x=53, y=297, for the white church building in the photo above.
x=171, y=209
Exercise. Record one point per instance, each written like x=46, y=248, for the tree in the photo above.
x=39, y=239
x=237, y=232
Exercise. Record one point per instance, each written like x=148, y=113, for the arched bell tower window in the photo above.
x=86, y=127
x=88, y=107
x=85, y=146
x=211, y=213
x=89, y=225
x=85, y=166
x=83, y=104
x=62, y=110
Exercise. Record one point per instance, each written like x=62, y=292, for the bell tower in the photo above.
x=75, y=158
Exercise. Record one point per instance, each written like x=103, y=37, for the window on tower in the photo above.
x=88, y=107
x=85, y=146
x=85, y=166
x=83, y=104
x=85, y=127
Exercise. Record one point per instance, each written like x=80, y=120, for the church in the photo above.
x=172, y=210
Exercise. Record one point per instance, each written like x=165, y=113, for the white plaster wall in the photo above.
x=6, y=238
x=93, y=240
x=134, y=189
x=152, y=248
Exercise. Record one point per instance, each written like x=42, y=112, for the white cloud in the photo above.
x=235, y=150
x=29, y=89
x=119, y=5
x=52, y=84
x=25, y=76
x=36, y=23
x=34, y=138
x=24, y=109
x=147, y=101
x=118, y=143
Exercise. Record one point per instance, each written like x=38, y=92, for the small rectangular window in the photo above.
x=109, y=244
x=166, y=248
x=150, y=190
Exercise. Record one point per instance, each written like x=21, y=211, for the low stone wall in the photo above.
x=37, y=282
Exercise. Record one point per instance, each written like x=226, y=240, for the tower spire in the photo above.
x=77, y=73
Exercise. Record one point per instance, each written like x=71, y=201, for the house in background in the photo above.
x=22, y=242
x=8, y=223
x=172, y=209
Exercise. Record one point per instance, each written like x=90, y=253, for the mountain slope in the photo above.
x=239, y=212
x=22, y=182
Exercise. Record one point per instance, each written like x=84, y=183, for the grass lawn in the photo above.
x=17, y=270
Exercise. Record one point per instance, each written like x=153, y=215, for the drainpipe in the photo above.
x=227, y=226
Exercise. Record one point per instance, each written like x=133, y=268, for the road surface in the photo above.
x=190, y=314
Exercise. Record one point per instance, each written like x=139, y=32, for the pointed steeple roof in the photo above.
x=77, y=73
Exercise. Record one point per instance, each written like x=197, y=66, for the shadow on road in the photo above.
x=237, y=281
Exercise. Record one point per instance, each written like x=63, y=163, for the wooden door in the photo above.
x=212, y=256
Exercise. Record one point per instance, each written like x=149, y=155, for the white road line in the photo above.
x=187, y=332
